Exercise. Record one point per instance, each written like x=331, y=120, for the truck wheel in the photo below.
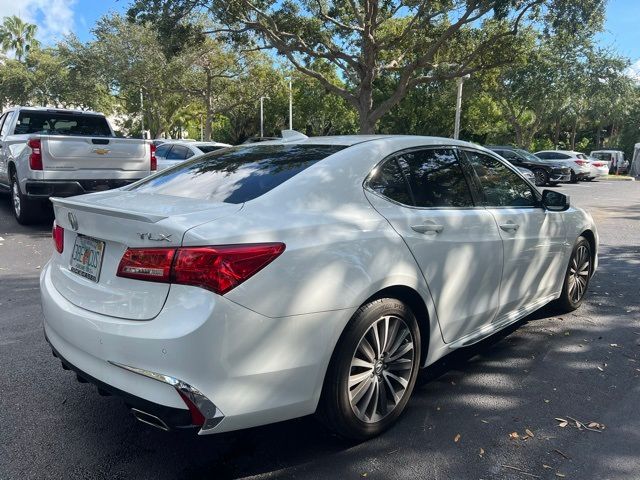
x=24, y=209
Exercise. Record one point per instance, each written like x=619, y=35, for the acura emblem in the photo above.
x=73, y=221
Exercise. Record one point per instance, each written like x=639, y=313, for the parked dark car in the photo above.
x=546, y=173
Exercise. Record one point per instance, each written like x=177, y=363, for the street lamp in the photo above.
x=262, y=115
x=290, y=105
x=456, y=129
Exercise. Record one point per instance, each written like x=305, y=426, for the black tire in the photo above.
x=574, y=177
x=335, y=409
x=24, y=209
x=542, y=177
x=568, y=301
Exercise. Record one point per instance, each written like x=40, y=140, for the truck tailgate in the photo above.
x=70, y=153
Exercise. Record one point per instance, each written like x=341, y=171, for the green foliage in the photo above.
x=17, y=36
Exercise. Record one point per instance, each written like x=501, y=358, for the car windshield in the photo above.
x=527, y=155
x=236, y=175
x=62, y=123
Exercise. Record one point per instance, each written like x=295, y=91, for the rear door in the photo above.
x=425, y=196
x=533, y=238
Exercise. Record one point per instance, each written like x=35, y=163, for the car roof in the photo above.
x=568, y=152
x=350, y=140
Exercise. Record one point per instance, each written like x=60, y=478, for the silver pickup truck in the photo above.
x=59, y=153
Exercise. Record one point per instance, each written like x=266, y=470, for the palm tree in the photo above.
x=18, y=36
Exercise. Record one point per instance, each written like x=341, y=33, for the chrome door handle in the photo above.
x=427, y=228
x=509, y=227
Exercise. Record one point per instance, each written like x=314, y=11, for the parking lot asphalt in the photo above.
x=460, y=424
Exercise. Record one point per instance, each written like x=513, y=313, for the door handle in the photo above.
x=509, y=227
x=427, y=228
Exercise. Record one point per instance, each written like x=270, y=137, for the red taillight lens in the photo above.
x=581, y=162
x=154, y=160
x=150, y=264
x=35, y=157
x=57, y=233
x=218, y=268
x=222, y=268
x=598, y=164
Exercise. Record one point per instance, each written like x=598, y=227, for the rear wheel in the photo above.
x=574, y=177
x=542, y=177
x=24, y=209
x=373, y=370
x=576, y=280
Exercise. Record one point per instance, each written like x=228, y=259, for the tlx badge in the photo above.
x=159, y=237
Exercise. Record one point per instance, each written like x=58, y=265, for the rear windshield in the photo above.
x=238, y=174
x=56, y=123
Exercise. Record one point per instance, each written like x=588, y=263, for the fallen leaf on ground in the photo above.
x=481, y=451
x=456, y=438
x=600, y=368
x=561, y=475
x=545, y=466
x=529, y=432
x=484, y=421
x=514, y=435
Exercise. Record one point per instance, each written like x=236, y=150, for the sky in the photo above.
x=56, y=18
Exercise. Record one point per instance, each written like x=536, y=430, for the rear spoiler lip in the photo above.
x=101, y=210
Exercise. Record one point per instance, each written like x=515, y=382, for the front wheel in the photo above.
x=542, y=177
x=373, y=370
x=574, y=178
x=576, y=280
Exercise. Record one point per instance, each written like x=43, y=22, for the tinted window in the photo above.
x=162, y=150
x=52, y=123
x=238, y=174
x=509, y=155
x=3, y=118
x=388, y=180
x=436, y=178
x=501, y=186
x=209, y=148
x=178, y=152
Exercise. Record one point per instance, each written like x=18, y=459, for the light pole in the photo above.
x=290, y=106
x=456, y=128
x=142, y=113
x=262, y=115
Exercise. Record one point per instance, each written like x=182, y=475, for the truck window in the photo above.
x=6, y=120
x=62, y=123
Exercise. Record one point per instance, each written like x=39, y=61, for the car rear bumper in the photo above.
x=254, y=369
x=68, y=188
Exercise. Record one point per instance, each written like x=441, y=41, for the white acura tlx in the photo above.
x=270, y=281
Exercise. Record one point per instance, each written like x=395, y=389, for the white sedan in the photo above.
x=172, y=152
x=598, y=168
x=266, y=282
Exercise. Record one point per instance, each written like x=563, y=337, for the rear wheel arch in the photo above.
x=591, y=238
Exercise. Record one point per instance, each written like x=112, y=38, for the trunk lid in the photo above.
x=70, y=153
x=121, y=220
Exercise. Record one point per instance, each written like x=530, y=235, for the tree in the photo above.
x=412, y=42
x=17, y=36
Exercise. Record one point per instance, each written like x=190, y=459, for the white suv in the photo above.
x=577, y=161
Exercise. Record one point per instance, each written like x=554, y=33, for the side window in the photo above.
x=544, y=155
x=388, y=180
x=511, y=156
x=436, y=178
x=500, y=186
x=5, y=124
x=189, y=153
x=560, y=156
x=162, y=150
x=178, y=152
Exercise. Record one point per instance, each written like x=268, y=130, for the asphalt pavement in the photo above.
x=488, y=412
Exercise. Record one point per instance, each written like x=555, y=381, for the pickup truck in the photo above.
x=48, y=152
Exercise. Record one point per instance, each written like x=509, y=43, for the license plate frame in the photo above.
x=86, y=257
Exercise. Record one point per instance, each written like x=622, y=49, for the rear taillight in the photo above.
x=581, y=162
x=150, y=264
x=57, y=233
x=216, y=268
x=35, y=157
x=598, y=164
x=154, y=160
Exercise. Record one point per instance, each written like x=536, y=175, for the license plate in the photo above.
x=86, y=257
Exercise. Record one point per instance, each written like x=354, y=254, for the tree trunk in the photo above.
x=556, y=133
x=574, y=132
x=208, y=128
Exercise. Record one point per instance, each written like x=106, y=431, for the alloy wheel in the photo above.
x=540, y=177
x=381, y=369
x=579, y=270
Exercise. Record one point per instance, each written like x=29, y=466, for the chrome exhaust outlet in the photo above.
x=149, y=419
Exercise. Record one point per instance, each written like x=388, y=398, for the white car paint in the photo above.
x=598, y=168
x=259, y=353
x=192, y=149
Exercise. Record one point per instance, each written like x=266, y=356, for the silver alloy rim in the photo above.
x=579, y=273
x=381, y=368
x=539, y=175
x=16, y=198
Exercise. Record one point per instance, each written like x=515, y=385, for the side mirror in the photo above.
x=555, y=201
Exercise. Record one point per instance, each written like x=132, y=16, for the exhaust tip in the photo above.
x=149, y=419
